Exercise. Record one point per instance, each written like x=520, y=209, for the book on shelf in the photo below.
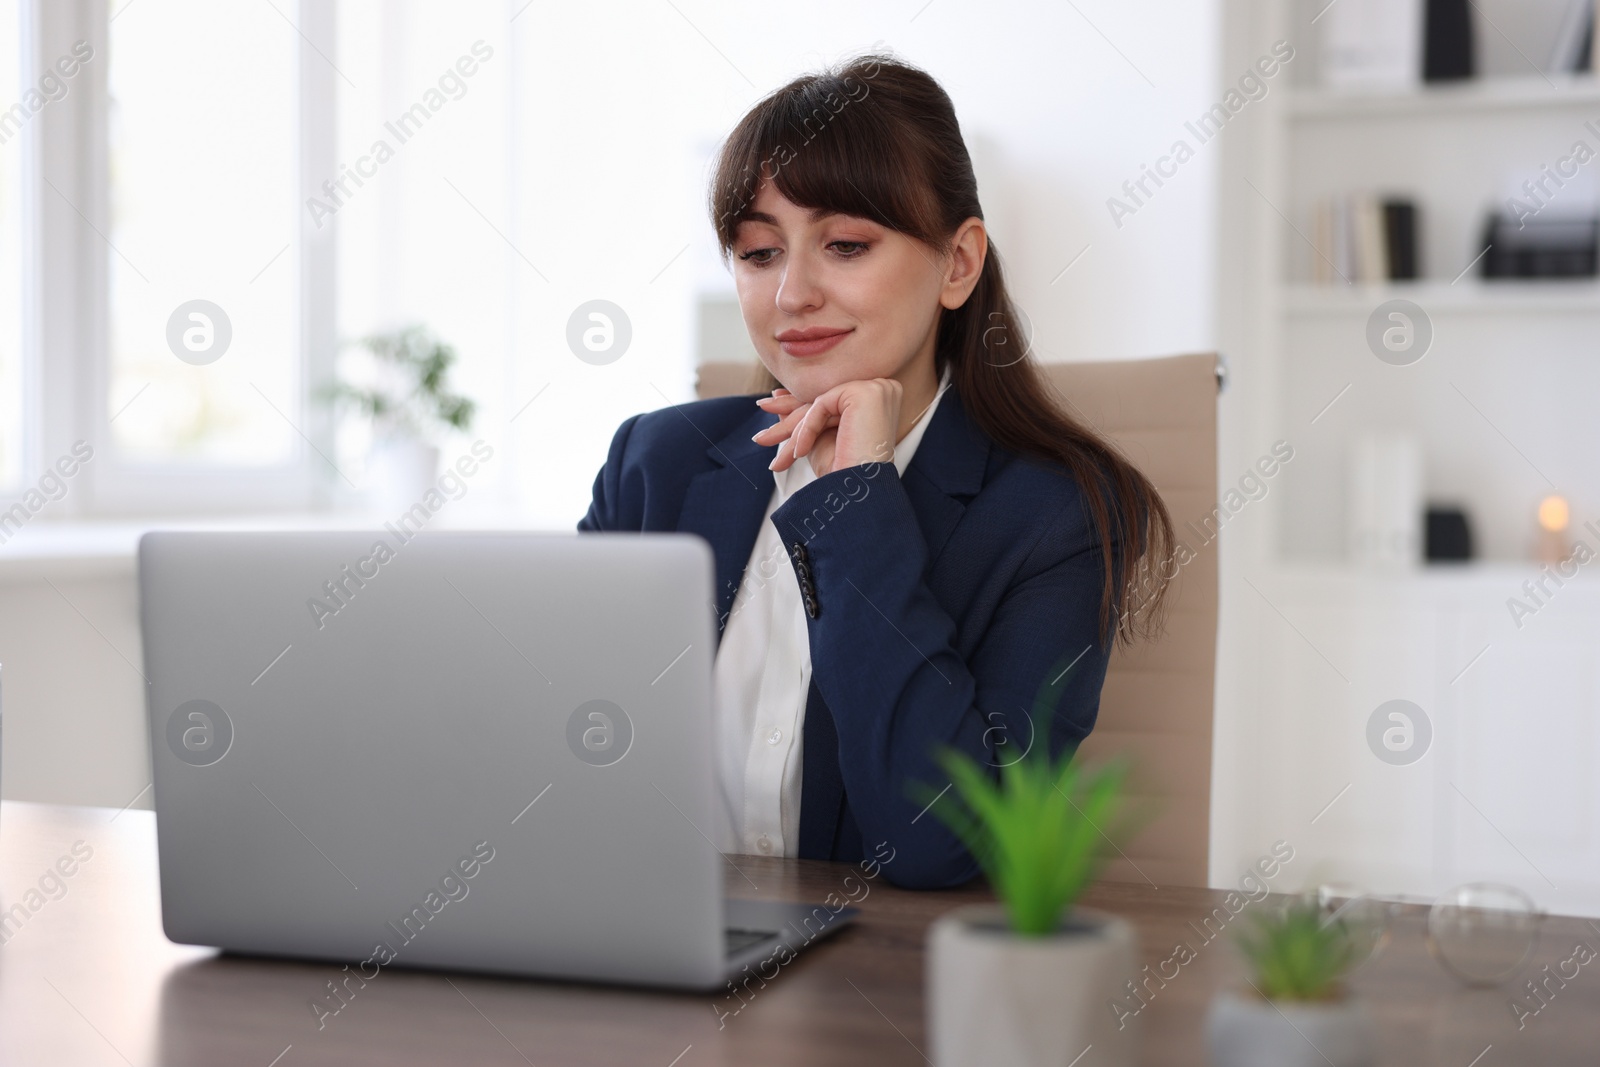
x=1573, y=50
x=1400, y=238
x=1371, y=44
x=1364, y=238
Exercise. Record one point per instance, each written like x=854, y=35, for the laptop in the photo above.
x=473, y=751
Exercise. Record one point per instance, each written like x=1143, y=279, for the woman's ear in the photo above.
x=968, y=250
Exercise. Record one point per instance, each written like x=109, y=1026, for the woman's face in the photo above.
x=878, y=290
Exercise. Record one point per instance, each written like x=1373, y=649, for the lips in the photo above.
x=812, y=341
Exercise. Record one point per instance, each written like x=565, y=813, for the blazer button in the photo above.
x=812, y=608
x=803, y=571
x=798, y=550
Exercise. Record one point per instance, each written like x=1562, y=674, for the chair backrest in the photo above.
x=1156, y=705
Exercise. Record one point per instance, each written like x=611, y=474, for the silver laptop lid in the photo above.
x=478, y=750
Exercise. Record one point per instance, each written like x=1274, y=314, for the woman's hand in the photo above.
x=852, y=423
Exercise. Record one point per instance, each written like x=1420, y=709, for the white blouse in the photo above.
x=761, y=677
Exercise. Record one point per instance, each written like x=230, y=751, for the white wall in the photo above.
x=70, y=680
x=1062, y=119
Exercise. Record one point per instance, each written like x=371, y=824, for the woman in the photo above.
x=872, y=609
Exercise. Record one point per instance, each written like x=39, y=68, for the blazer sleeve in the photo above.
x=884, y=658
x=602, y=514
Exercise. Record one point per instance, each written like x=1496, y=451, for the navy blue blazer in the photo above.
x=943, y=605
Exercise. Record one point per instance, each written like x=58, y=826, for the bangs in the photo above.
x=833, y=142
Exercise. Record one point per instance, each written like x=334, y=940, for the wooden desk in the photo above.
x=88, y=978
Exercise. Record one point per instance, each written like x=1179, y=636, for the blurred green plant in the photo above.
x=1298, y=953
x=412, y=397
x=1042, y=830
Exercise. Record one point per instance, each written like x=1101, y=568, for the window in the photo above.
x=189, y=202
x=14, y=143
x=421, y=196
x=203, y=346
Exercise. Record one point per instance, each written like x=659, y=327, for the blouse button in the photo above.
x=774, y=737
x=764, y=843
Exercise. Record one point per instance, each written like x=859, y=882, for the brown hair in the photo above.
x=881, y=141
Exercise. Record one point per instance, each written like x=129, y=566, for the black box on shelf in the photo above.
x=1552, y=247
x=1448, y=535
x=1447, y=41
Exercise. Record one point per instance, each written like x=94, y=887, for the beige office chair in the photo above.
x=1156, y=705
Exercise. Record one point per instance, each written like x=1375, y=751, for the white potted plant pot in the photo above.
x=1000, y=999
x=400, y=471
x=1246, y=1030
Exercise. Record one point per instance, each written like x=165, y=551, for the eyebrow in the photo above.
x=816, y=215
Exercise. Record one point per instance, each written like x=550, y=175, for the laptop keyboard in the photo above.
x=738, y=940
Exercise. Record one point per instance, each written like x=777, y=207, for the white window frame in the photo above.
x=68, y=347
x=26, y=143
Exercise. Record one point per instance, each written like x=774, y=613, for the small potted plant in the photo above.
x=1029, y=981
x=406, y=397
x=1296, y=1011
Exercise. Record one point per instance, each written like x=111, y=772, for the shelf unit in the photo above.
x=1467, y=296
x=1531, y=92
x=1502, y=405
x=1525, y=347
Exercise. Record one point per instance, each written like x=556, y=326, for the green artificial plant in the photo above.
x=1298, y=953
x=413, y=395
x=1041, y=830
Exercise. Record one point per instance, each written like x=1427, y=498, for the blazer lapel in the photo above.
x=946, y=472
x=725, y=505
